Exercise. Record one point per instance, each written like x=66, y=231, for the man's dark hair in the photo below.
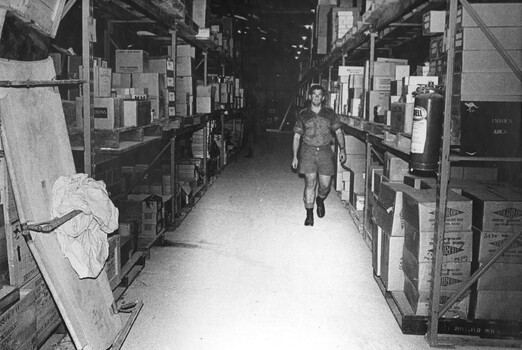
x=316, y=87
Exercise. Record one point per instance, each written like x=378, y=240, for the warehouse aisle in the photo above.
x=243, y=272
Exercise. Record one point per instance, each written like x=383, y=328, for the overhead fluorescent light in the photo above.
x=263, y=38
x=304, y=37
x=144, y=33
x=240, y=17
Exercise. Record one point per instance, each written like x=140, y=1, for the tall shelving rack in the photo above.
x=389, y=15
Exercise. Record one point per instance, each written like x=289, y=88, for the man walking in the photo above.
x=315, y=125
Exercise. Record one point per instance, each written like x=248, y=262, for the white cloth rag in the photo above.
x=83, y=239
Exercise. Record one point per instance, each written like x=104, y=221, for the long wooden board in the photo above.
x=37, y=149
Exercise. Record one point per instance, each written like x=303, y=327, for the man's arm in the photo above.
x=340, y=139
x=295, y=146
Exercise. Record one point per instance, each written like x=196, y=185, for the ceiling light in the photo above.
x=301, y=46
x=308, y=26
x=240, y=17
x=299, y=52
x=304, y=37
x=296, y=57
x=263, y=38
x=145, y=33
x=294, y=46
x=239, y=31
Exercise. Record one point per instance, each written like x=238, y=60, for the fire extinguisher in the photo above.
x=428, y=113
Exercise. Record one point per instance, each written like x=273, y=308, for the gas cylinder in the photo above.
x=428, y=113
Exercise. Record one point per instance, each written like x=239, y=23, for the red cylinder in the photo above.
x=426, y=133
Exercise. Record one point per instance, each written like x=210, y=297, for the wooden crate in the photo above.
x=112, y=265
x=18, y=323
x=21, y=264
x=47, y=315
x=43, y=15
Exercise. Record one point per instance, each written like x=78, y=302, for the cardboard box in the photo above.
x=131, y=61
x=151, y=218
x=420, y=183
x=108, y=112
x=483, y=84
x=494, y=211
x=392, y=275
x=161, y=65
x=102, y=82
x=491, y=129
x=356, y=81
x=486, y=244
x=420, y=302
x=457, y=245
x=484, y=61
x=357, y=200
x=401, y=117
x=184, y=66
x=136, y=112
x=500, y=277
x=155, y=85
x=401, y=71
x=493, y=15
x=474, y=39
x=496, y=305
x=357, y=183
x=122, y=80
x=378, y=102
x=381, y=83
x=151, y=204
x=384, y=69
x=433, y=22
x=419, y=209
x=453, y=276
x=150, y=230
x=353, y=145
x=349, y=70
x=185, y=51
x=395, y=168
x=390, y=222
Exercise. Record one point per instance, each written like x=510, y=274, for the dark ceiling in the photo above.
x=281, y=22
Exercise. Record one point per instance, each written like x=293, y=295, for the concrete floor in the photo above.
x=243, y=272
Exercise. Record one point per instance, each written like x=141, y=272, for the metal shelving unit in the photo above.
x=385, y=20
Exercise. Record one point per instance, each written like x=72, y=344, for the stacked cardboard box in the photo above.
x=497, y=216
x=355, y=149
x=351, y=90
x=151, y=216
x=198, y=143
x=185, y=55
x=164, y=66
x=204, y=99
x=419, y=218
x=484, y=85
x=340, y=21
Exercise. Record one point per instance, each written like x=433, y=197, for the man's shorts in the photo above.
x=316, y=160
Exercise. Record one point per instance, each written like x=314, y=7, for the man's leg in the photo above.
x=322, y=193
x=309, y=197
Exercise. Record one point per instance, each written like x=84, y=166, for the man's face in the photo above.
x=317, y=97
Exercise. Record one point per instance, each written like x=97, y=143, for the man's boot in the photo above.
x=309, y=221
x=320, y=207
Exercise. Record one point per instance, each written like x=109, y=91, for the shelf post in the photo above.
x=173, y=44
x=442, y=184
x=223, y=144
x=88, y=103
x=205, y=151
x=205, y=68
x=173, y=180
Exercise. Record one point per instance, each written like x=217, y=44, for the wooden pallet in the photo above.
x=505, y=333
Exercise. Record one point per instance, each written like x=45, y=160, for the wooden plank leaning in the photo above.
x=37, y=150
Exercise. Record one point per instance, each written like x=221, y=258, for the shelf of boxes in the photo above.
x=376, y=103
